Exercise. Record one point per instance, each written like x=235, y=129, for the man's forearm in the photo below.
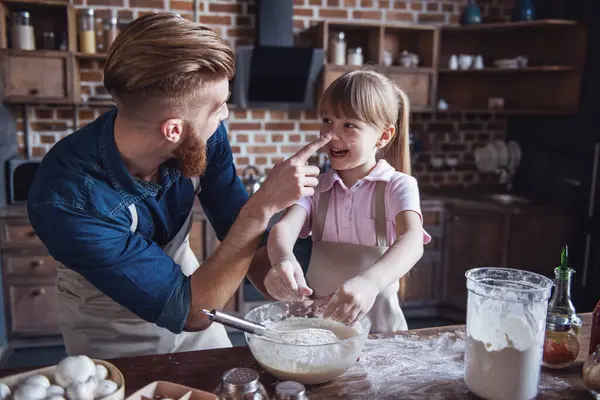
x=258, y=271
x=220, y=275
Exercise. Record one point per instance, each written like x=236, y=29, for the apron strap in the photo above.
x=379, y=214
x=319, y=221
x=134, y=217
x=196, y=183
x=133, y=210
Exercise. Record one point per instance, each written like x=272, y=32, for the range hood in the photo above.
x=274, y=74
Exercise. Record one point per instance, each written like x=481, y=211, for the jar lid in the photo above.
x=88, y=11
x=240, y=379
x=290, y=390
x=341, y=35
x=24, y=14
x=111, y=22
x=558, y=323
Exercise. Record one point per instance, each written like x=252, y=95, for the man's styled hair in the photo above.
x=162, y=60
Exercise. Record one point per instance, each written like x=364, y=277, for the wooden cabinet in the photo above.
x=527, y=88
x=37, y=77
x=528, y=238
x=29, y=275
x=474, y=238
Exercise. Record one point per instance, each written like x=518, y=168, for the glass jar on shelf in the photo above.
x=87, y=32
x=561, y=343
x=111, y=30
x=355, y=57
x=560, y=303
x=337, y=49
x=23, y=37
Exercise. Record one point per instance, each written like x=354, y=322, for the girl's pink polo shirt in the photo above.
x=349, y=217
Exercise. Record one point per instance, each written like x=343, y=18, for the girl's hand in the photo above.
x=352, y=300
x=285, y=281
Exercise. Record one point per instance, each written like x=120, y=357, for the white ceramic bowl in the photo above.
x=307, y=364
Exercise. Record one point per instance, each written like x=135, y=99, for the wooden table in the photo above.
x=391, y=366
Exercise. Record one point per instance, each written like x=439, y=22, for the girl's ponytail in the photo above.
x=398, y=149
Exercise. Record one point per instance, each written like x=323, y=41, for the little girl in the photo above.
x=365, y=215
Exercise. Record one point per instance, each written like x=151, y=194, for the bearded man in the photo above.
x=113, y=201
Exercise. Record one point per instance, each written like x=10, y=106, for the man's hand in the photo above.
x=291, y=179
x=352, y=300
x=285, y=281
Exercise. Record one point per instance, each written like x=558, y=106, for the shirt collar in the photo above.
x=118, y=174
x=382, y=172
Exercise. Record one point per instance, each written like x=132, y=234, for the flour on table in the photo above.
x=414, y=367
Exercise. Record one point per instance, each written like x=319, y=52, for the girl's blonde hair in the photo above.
x=372, y=97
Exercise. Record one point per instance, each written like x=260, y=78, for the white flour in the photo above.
x=308, y=336
x=414, y=367
x=318, y=352
x=504, y=348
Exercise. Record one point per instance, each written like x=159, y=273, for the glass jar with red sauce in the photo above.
x=561, y=343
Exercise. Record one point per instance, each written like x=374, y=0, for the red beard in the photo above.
x=191, y=155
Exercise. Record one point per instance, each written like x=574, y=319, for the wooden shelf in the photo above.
x=52, y=3
x=504, y=111
x=36, y=53
x=492, y=70
x=96, y=56
x=24, y=101
x=98, y=103
x=503, y=26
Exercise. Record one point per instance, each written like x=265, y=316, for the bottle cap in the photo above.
x=290, y=390
x=240, y=380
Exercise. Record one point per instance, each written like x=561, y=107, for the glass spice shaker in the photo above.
x=241, y=384
x=591, y=373
x=290, y=390
x=87, y=33
x=561, y=343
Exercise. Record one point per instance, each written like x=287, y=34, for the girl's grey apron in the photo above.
x=94, y=325
x=333, y=263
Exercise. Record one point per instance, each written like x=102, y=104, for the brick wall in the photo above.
x=262, y=137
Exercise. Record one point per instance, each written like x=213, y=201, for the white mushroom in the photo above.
x=74, y=369
x=105, y=388
x=37, y=380
x=28, y=391
x=55, y=390
x=101, y=372
x=4, y=391
x=82, y=390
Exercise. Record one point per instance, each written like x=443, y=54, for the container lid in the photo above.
x=558, y=323
x=290, y=390
x=111, y=22
x=24, y=14
x=240, y=379
x=88, y=11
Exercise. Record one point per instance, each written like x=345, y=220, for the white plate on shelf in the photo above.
x=515, y=155
x=484, y=160
x=502, y=152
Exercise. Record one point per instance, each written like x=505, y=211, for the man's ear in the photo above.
x=172, y=130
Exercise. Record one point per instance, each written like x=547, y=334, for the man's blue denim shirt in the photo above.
x=78, y=207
